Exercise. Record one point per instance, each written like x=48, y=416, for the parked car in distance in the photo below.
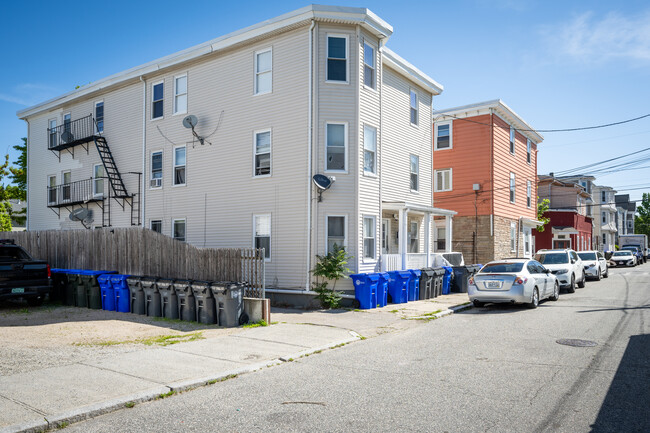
x=623, y=258
x=595, y=264
x=566, y=265
x=21, y=276
x=636, y=251
x=516, y=281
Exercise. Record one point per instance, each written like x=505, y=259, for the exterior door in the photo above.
x=561, y=244
x=385, y=235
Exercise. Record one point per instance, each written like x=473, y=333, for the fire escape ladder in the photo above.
x=112, y=173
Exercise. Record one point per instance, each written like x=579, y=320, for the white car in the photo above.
x=595, y=264
x=521, y=281
x=566, y=265
x=623, y=258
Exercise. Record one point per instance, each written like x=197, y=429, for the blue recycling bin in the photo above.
x=382, y=289
x=108, y=292
x=398, y=286
x=365, y=290
x=414, y=284
x=122, y=294
x=446, y=280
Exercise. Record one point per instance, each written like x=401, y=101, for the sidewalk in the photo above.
x=45, y=398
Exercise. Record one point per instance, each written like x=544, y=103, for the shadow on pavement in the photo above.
x=626, y=404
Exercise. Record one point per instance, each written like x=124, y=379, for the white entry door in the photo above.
x=385, y=235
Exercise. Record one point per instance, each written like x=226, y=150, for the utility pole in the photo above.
x=476, y=187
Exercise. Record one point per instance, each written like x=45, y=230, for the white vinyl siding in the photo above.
x=262, y=234
x=337, y=58
x=369, y=234
x=262, y=149
x=179, y=168
x=442, y=180
x=157, y=100
x=180, y=94
x=369, y=150
x=179, y=229
x=336, y=137
x=263, y=72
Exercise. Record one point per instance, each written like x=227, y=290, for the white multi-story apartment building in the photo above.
x=314, y=91
x=604, y=217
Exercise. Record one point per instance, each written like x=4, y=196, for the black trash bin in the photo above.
x=205, y=310
x=168, y=299
x=459, y=282
x=185, y=298
x=151, y=297
x=438, y=277
x=137, y=295
x=426, y=283
x=229, y=302
x=59, y=280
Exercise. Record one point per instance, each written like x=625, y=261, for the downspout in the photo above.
x=380, y=152
x=492, y=175
x=309, y=155
x=27, y=176
x=358, y=153
x=144, y=150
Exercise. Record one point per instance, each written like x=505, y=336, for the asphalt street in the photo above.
x=497, y=368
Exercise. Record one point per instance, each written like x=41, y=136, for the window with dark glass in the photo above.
x=337, y=55
x=157, y=99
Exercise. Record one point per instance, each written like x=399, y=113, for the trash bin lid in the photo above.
x=104, y=278
x=428, y=272
x=117, y=278
x=402, y=274
x=416, y=272
x=373, y=277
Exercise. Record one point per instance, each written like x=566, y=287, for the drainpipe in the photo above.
x=144, y=150
x=27, y=175
x=380, y=152
x=310, y=139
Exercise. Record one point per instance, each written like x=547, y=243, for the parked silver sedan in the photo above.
x=516, y=281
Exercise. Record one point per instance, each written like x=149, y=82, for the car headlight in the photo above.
x=591, y=265
x=561, y=272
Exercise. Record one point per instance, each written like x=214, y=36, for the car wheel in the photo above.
x=556, y=292
x=572, y=286
x=534, y=302
x=35, y=301
x=599, y=276
x=478, y=304
x=606, y=274
x=581, y=284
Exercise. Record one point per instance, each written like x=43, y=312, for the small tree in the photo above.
x=330, y=267
x=18, y=175
x=542, y=207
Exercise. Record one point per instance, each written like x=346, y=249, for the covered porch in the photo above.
x=428, y=230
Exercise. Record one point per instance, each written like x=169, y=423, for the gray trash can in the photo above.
x=426, y=283
x=186, y=302
x=439, y=274
x=151, y=297
x=205, y=311
x=229, y=302
x=168, y=299
x=137, y=295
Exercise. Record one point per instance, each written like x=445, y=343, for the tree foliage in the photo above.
x=330, y=267
x=542, y=207
x=642, y=220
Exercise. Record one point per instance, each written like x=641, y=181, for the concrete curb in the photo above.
x=313, y=350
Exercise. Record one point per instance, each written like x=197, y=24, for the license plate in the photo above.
x=18, y=290
x=621, y=263
x=493, y=284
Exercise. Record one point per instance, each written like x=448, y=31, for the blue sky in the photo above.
x=557, y=64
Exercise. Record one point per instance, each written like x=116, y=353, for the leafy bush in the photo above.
x=330, y=267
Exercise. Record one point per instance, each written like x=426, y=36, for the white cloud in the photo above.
x=592, y=39
x=27, y=94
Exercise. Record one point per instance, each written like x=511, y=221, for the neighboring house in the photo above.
x=604, y=218
x=569, y=225
x=485, y=168
x=17, y=206
x=313, y=91
x=625, y=211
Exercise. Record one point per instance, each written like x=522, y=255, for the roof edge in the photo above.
x=407, y=69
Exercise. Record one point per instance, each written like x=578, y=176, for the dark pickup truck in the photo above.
x=21, y=276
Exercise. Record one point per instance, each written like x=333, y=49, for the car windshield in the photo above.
x=552, y=258
x=12, y=254
x=501, y=267
x=621, y=253
x=587, y=256
x=630, y=248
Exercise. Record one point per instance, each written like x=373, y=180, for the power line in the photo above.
x=561, y=172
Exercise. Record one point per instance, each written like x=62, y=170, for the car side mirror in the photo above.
x=573, y=261
x=547, y=271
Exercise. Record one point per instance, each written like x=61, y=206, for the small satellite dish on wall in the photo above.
x=79, y=214
x=323, y=183
x=67, y=137
x=190, y=121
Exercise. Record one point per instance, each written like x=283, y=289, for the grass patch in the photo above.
x=62, y=425
x=338, y=345
x=256, y=324
x=394, y=311
x=165, y=395
x=161, y=340
x=221, y=379
x=129, y=404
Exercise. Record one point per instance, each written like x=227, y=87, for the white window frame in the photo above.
x=513, y=237
x=347, y=58
x=529, y=151
x=513, y=140
x=174, y=166
x=345, y=147
x=270, y=217
x=257, y=73
x=512, y=187
x=372, y=67
x=373, y=258
x=69, y=116
x=153, y=101
x=177, y=95
x=99, y=130
x=411, y=156
x=529, y=194
x=162, y=168
x=385, y=235
x=255, y=134
x=69, y=188
x=184, y=221
x=372, y=173
x=95, y=180
x=51, y=188
x=416, y=108
x=410, y=238
x=52, y=139
x=451, y=143
x=345, y=230
x=437, y=187
x=153, y=221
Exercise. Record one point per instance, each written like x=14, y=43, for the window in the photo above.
x=156, y=169
x=337, y=58
x=513, y=236
x=369, y=150
x=442, y=180
x=262, y=153
x=262, y=227
x=263, y=72
x=178, y=229
x=65, y=188
x=179, y=166
x=413, y=238
x=336, y=136
x=369, y=237
x=529, y=193
x=441, y=238
x=368, y=66
x=512, y=140
x=629, y=224
x=414, y=107
x=99, y=116
x=335, y=232
x=604, y=216
x=443, y=136
x=52, y=138
x=98, y=180
x=67, y=120
x=603, y=197
x=604, y=239
x=180, y=94
x=51, y=189
x=415, y=172
x=512, y=187
x=157, y=99
x=528, y=149
x=156, y=226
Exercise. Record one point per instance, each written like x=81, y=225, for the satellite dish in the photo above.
x=80, y=214
x=190, y=121
x=67, y=136
x=323, y=183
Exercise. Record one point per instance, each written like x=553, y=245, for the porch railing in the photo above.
x=81, y=191
x=71, y=133
x=393, y=262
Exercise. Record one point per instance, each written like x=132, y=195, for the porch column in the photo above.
x=403, y=235
x=448, y=233
x=427, y=237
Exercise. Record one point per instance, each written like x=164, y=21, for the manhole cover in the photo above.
x=576, y=343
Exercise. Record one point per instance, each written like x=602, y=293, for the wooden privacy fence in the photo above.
x=140, y=251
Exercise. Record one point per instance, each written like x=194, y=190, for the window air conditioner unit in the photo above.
x=156, y=183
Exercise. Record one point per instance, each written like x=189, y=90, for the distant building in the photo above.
x=625, y=210
x=604, y=218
